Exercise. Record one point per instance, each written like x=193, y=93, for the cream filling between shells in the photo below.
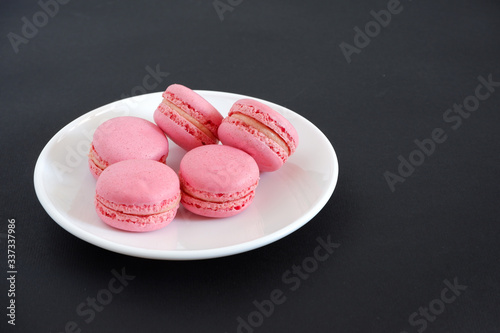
x=262, y=128
x=191, y=119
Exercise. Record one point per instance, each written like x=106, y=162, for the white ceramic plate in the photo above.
x=285, y=199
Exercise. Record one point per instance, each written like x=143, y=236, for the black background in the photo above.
x=396, y=248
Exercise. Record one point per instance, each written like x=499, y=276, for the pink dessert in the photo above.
x=261, y=132
x=187, y=118
x=124, y=138
x=137, y=195
x=217, y=180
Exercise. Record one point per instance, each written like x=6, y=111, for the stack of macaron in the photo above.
x=218, y=175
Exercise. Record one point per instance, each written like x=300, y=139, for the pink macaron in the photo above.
x=260, y=131
x=124, y=138
x=187, y=118
x=137, y=195
x=217, y=180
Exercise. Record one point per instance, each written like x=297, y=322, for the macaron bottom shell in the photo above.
x=134, y=223
x=216, y=209
x=94, y=169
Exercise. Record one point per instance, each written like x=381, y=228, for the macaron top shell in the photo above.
x=138, y=185
x=128, y=137
x=219, y=170
x=194, y=105
x=269, y=117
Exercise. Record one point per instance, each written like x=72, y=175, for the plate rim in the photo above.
x=199, y=254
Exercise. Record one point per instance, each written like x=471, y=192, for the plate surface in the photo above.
x=285, y=199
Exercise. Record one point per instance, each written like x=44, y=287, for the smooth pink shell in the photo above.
x=217, y=180
x=127, y=137
x=268, y=154
x=137, y=195
x=179, y=129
